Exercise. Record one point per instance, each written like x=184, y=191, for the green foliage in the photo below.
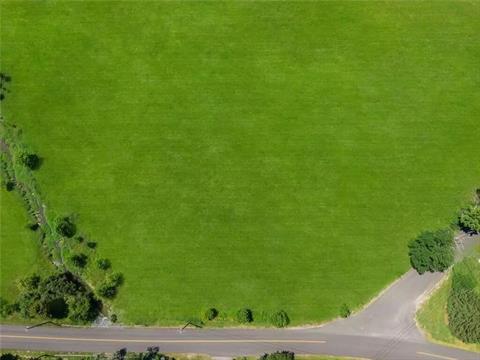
x=10, y=185
x=278, y=355
x=432, y=251
x=109, y=287
x=66, y=227
x=83, y=308
x=103, y=264
x=4, y=80
x=469, y=218
x=57, y=296
x=113, y=318
x=280, y=319
x=211, y=314
x=345, y=311
x=244, y=316
x=463, y=306
x=79, y=260
x=92, y=244
x=9, y=356
x=32, y=161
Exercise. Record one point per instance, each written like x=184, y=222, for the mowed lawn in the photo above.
x=263, y=155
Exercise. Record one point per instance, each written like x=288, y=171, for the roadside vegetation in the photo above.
x=452, y=314
x=65, y=291
x=153, y=353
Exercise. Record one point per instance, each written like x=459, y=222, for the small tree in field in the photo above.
x=280, y=319
x=66, y=227
x=244, y=316
x=32, y=161
x=211, y=314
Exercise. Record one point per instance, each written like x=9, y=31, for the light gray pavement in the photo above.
x=383, y=330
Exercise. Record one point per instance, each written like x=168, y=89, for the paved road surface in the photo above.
x=384, y=330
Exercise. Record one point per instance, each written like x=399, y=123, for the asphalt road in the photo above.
x=383, y=330
x=224, y=342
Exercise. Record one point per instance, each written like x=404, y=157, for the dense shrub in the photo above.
x=33, y=226
x=10, y=185
x=279, y=355
x=91, y=244
x=244, y=316
x=469, y=218
x=9, y=356
x=109, y=287
x=57, y=296
x=211, y=314
x=345, y=311
x=463, y=307
x=432, y=251
x=280, y=319
x=66, y=227
x=79, y=260
x=103, y=264
x=113, y=318
x=32, y=161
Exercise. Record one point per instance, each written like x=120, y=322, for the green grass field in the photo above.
x=264, y=155
x=20, y=254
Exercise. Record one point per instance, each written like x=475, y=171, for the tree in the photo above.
x=432, y=251
x=211, y=314
x=9, y=356
x=469, y=218
x=280, y=319
x=279, y=355
x=32, y=161
x=79, y=260
x=66, y=227
x=120, y=354
x=103, y=264
x=244, y=316
x=57, y=296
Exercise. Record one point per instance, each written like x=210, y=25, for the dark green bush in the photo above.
x=32, y=161
x=57, y=296
x=432, y=251
x=9, y=356
x=66, y=227
x=279, y=355
x=113, y=318
x=280, y=319
x=79, y=260
x=345, y=311
x=109, y=287
x=211, y=314
x=107, y=290
x=244, y=316
x=103, y=264
x=9, y=185
x=92, y=244
x=469, y=219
